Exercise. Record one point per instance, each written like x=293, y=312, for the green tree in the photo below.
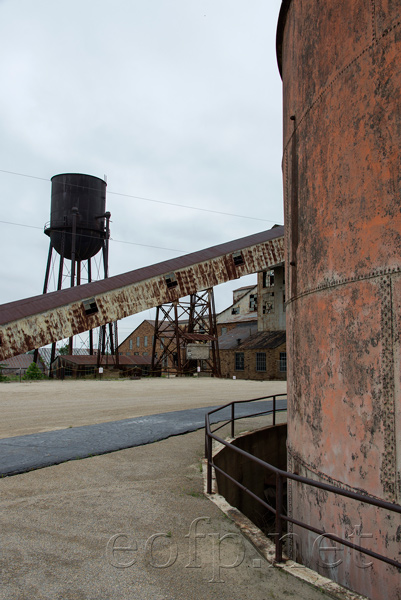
x=64, y=350
x=33, y=372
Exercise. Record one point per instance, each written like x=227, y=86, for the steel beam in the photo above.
x=38, y=321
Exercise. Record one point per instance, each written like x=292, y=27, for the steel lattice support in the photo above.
x=186, y=334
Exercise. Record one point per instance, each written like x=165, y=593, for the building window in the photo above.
x=238, y=259
x=268, y=279
x=239, y=361
x=261, y=361
x=145, y=341
x=223, y=330
x=171, y=280
x=138, y=341
x=235, y=310
x=253, y=302
x=283, y=362
x=144, y=353
x=130, y=344
x=268, y=305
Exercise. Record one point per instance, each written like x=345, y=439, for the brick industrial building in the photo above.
x=251, y=332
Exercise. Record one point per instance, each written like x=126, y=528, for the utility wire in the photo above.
x=97, y=238
x=208, y=210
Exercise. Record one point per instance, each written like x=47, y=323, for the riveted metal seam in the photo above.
x=329, y=85
x=374, y=34
x=388, y=467
x=345, y=281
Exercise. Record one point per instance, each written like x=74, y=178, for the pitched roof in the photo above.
x=91, y=360
x=241, y=332
x=247, y=337
x=251, y=317
x=264, y=340
x=45, y=353
x=21, y=361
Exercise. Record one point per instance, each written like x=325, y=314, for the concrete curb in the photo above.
x=266, y=548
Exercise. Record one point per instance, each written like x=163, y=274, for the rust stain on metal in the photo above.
x=34, y=322
x=341, y=78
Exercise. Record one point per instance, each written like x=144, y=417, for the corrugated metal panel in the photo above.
x=38, y=321
x=264, y=340
x=242, y=331
x=22, y=361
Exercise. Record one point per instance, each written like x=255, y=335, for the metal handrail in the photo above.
x=280, y=477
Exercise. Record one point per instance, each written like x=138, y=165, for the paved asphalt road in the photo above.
x=25, y=453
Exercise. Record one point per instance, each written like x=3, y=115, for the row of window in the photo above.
x=268, y=305
x=145, y=341
x=138, y=342
x=260, y=361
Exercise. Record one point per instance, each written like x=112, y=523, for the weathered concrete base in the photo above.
x=266, y=547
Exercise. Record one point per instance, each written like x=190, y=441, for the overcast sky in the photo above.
x=178, y=101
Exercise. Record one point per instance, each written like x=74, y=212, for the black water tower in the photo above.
x=78, y=202
x=78, y=230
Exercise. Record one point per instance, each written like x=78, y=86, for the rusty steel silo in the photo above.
x=340, y=63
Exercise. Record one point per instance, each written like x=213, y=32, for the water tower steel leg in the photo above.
x=91, y=331
x=73, y=264
x=47, y=274
x=59, y=285
x=155, y=334
x=177, y=341
x=46, y=283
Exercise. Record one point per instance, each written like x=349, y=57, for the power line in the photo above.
x=208, y=210
x=96, y=238
x=21, y=225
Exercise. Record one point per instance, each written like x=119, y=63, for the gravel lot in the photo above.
x=49, y=405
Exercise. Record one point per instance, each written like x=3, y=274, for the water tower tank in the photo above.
x=87, y=194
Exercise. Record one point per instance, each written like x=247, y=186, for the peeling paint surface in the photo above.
x=341, y=70
x=34, y=322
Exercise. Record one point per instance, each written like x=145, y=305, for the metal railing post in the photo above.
x=281, y=516
x=274, y=410
x=208, y=455
x=232, y=420
x=209, y=466
x=279, y=522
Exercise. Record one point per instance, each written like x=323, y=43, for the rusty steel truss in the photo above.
x=187, y=335
x=41, y=320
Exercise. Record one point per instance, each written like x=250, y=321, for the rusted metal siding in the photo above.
x=37, y=321
x=342, y=177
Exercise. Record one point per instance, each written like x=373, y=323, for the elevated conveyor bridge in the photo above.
x=34, y=322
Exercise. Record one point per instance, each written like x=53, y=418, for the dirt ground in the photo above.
x=132, y=524
x=34, y=407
